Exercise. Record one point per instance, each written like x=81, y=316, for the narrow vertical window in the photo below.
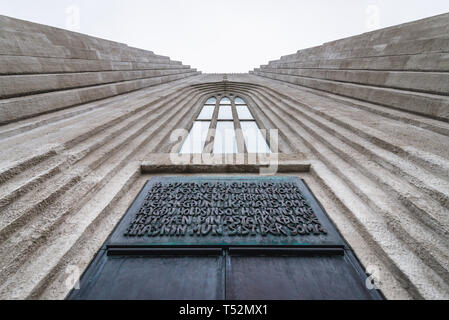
x=239, y=100
x=196, y=139
x=225, y=139
x=207, y=112
x=225, y=115
x=244, y=113
x=225, y=100
x=211, y=101
x=254, y=139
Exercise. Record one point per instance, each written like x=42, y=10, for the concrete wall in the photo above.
x=44, y=69
x=403, y=67
x=68, y=173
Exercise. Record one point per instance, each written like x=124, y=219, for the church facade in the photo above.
x=352, y=136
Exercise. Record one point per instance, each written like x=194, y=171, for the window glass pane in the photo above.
x=211, y=101
x=225, y=100
x=225, y=113
x=206, y=113
x=225, y=139
x=197, y=138
x=254, y=140
x=244, y=113
x=239, y=100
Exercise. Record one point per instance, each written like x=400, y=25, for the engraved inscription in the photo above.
x=225, y=209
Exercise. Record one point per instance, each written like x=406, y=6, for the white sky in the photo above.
x=222, y=35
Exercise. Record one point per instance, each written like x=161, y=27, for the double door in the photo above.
x=235, y=273
x=144, y=259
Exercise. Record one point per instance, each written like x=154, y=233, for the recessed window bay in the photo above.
x=221, y=120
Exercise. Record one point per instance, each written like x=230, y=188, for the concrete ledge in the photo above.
x=241, y=163
x=148, y=167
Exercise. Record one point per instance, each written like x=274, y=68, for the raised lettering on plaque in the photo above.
x=225, y=209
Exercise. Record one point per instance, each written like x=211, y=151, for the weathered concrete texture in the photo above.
x=44, y=69
x=403, y=67
x=72, y=166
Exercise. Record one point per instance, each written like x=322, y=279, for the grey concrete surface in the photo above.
x=84, y=122
x=406, y=64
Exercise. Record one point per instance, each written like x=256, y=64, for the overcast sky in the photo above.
x=222, y=35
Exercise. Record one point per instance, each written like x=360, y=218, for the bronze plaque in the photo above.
x=226, y=211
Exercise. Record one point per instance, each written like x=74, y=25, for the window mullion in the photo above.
x=208, y=147
x=238, y=131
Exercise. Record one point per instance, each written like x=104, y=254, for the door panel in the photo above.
x=156, y=278
x=293, y=278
